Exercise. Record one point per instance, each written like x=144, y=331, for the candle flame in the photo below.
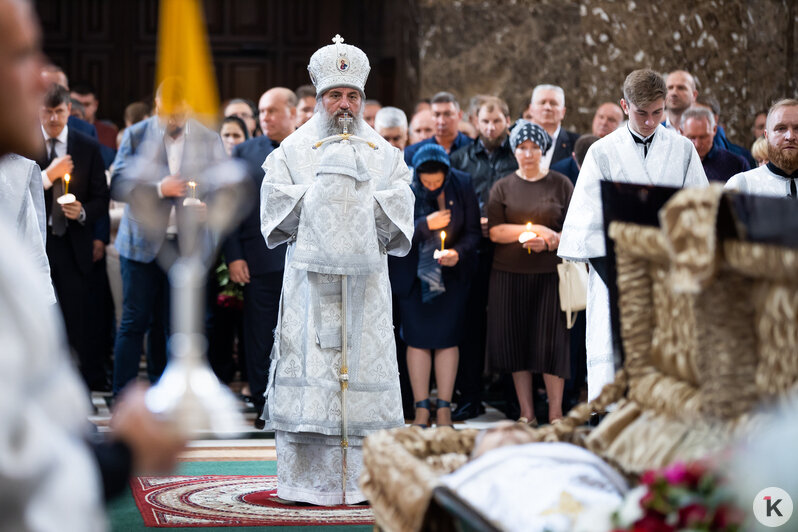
x=443, y=237
x=66, y=178
x=529, y=226
x=192, y=184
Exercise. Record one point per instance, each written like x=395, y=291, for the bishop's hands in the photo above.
x=153, y=442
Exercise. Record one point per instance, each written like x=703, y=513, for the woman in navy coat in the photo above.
x=433, y=287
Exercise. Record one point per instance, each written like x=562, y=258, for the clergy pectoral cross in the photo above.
x=346, y=121
x=344, y=199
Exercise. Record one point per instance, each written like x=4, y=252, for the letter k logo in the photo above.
x=772, y=506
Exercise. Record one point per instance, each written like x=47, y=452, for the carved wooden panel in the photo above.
x=256, y=44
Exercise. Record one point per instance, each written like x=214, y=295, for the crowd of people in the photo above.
x=484, y=312
x=492, y=206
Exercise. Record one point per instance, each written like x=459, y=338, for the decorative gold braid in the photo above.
x=396, y=454
x=775, y=303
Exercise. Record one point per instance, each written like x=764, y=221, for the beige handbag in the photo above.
x=573, y=289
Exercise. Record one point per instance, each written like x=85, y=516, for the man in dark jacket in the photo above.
x=260, y=269
x=487, y=159
x=698, y=125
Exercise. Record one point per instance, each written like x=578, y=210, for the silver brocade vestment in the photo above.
x=341, y=208
x=760, y=181
x=22, y=207
x=672, y=162
x=49, y=479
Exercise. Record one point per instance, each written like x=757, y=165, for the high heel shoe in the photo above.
x=443, y=404
x=424, y=403
x=526, y=421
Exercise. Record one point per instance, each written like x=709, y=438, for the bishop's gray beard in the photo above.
x=330, y=125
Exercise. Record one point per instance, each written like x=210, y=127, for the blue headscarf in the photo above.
x=427, y=200
x=428, y=270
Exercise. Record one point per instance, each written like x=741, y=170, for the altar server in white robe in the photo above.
x=341, y=207
x=22, y=207
x=643, y=152
x=777, y=177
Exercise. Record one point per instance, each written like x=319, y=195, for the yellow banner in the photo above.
x=184, y=60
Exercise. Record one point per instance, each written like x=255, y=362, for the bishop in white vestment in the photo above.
x=341, y=207
x=644, y=153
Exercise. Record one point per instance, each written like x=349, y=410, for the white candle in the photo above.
x=443, y=238
x=527, y=235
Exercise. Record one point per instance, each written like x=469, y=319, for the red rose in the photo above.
x=649, y=477
x=652, y=523
x=676, y=473
x=727, y=515
x=692, y=515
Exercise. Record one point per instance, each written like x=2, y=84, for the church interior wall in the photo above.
x=743, y=52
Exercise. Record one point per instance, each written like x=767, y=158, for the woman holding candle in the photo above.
x=432, y=280
x=526, y=329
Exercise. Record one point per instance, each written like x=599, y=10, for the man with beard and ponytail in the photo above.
x=339, y=195
x=778, y=176
x=487, y=159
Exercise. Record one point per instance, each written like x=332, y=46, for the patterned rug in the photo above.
x=231, y=500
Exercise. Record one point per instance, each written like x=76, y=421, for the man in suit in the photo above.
x=446, y=115
x=547, y=109
x=181, y=149
x=259, y=268
x=70, y=225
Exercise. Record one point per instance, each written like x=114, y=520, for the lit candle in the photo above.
x=66, y=184
x=529, y=230
x=193, y=186
x=443, y=238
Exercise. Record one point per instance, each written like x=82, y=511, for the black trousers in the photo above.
x=100, y=329
x=408, y=406
x=261, y=306
x=71, y=286
x=472, y=347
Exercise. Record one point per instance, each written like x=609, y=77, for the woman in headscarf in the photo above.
x=432, y=284
x=526, y=329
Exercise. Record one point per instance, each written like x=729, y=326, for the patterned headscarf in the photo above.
x=525, y=130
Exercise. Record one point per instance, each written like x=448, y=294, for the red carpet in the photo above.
x=231, y=500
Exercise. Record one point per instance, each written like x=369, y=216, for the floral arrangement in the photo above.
x=231, y=295
x=680, y=497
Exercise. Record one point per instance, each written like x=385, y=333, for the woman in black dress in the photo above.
x=526, y=328
x=432, y=289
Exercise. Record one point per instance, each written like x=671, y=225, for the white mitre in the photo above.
x=339, y=65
